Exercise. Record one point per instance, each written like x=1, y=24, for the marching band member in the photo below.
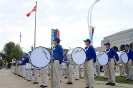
x=44, y=77
x=122, y=70
x=70, y=73
x=66, y=70
x=57, y=58
x=128, y=65
x=15, y=68
x=98, y=70
x=81, y=70
x=105, y=72
x=88, y=65
x=23, y=67
x=36, y=75
x=110, y=66
x=77, y=72
x=29, y=71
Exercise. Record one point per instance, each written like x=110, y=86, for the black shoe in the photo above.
x=76, y=79
x=35, y=82
x=29, y=80
x=60, y=81
x=112, y=84
x=128, y=79
x=43, y=86
x=67, y=82
x=108, y=83
x=86, y=87
x=65, y=77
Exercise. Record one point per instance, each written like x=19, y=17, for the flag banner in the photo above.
x=53, y=36
x=54, y=33
x=33, y=10
x=20, y=36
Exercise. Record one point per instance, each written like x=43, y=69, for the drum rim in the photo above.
x=36, y=66
x=72, y=57
x=98, y=60
x=121, y=58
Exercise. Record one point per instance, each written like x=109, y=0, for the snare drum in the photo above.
x=102, y=58
x=76, y=56
x=40, y=57
x=123, y=58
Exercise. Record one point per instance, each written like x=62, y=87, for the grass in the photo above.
x=119, y=79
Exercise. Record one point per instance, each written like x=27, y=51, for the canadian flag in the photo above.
x=33, y=10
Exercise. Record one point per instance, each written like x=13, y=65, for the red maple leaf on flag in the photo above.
x=33, y=10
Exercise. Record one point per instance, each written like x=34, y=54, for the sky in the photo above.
x=69, y=16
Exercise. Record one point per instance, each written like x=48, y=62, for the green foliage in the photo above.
x=1, y=62
x=65, y=51
x=16, y=52
x=11, y=51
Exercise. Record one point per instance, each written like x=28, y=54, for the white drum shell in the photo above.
x=40, y=57
x=102, y=58
x=123, y=58
x=76, y=56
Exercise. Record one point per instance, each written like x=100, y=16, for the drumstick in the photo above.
x=45, y=54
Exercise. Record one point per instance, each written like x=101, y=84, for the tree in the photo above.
x=65, y=51
x=1, y=62
x=16, y=52
x=7, y=51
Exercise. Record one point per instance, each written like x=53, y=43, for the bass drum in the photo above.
x=76, y=56
x=40, y=57
x=102, y=58
x=123, y=58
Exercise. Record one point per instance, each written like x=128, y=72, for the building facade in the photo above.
x=118, y=40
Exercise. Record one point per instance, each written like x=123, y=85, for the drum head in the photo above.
x=102, y=58
x=79, y=55
x=40, y=57
x=124, y=57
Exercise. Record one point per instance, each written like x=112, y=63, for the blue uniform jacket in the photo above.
x=26, y=60
x=90, y=53
x=14, y=64
x=65, y=60
x=130, y=54
x=111, y=53
x=58, y=53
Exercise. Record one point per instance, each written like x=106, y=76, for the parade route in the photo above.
x=9, y=80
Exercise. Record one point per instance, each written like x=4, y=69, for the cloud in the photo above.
x=3, y=1
x=70, y=17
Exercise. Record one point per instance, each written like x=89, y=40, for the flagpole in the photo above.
x=35, y=28
x=19, y=44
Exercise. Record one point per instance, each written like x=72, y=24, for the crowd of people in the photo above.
x=60, y=67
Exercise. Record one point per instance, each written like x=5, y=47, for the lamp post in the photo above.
x=90, y=15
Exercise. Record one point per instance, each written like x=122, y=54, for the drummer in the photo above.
x=128, y=65
x=57, y=58
x=110, y=66
x=88, y=65
x=66, y=70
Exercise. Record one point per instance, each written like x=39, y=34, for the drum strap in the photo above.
x=109, y=59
